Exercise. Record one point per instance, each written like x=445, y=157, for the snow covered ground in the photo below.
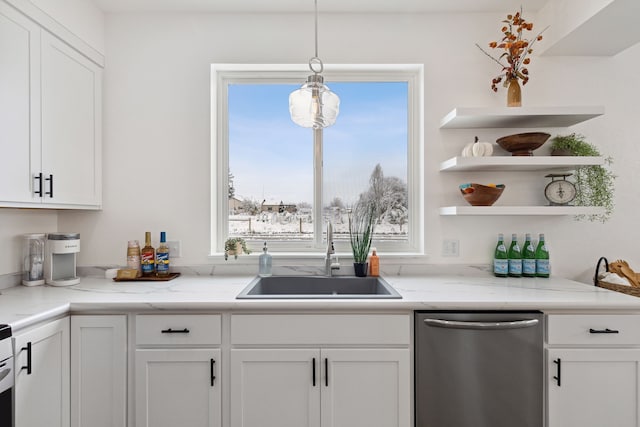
x=300, y=227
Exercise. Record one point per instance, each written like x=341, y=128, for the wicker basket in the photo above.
x=629, y=290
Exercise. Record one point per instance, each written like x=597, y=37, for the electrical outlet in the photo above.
x=174, y=249
x=451, y=247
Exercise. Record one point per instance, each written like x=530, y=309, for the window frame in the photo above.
x=223, y=75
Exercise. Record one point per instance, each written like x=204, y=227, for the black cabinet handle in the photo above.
x=603, y=331
x=28, y=367
x=313, y=371
x=175, y=331
x=50, y=192
x=39, y=179
x=558, y=362
x=213, y=372
x=326, y=372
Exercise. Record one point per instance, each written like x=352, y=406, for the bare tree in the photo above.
x=336, y=203
x=250, y=206
x=386, y=196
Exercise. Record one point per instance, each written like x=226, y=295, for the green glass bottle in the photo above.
x=500, y=259
x=515, y=257
x=528, y=258
x=542, y=259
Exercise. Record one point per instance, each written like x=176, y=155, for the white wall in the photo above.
x=81, y=17
x=156, y=145
x=14, y=223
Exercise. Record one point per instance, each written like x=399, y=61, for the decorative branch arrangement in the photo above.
x=516, y=50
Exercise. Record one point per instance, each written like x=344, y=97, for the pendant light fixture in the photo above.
x=314, y=105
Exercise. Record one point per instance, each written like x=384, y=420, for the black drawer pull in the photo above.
x=28, y=367
x=313, y=371
x=175, y=331
x=557, y=377
x=39, y=179
x=50, y=192
x=603, y=331
x=326, y=372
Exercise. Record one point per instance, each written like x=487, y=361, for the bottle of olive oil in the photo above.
x=148, y=257
x=162, y=256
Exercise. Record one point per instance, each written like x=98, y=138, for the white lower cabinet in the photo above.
x=177, y=382
x=42, y=375
x=365, y=388
x=178, y=388
x=326, y=385
x=593, y=371
x=99, y=371
x=594, y=387
x=320, y=387
x=274, y=387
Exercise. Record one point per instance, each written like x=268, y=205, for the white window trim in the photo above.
x=224, y=74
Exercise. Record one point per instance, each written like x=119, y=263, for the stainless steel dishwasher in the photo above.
x=479, y=369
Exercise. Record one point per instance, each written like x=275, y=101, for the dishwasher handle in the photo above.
x=458, y=324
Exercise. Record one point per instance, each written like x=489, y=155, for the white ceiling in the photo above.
x=359, y=6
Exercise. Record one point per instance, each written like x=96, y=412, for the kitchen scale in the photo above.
x=559, y=192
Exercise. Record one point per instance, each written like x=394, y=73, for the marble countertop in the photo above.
x=439, y=288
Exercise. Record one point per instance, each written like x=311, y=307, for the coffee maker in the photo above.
x=60, y=260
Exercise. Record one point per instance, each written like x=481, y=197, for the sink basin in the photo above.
x=318, y=287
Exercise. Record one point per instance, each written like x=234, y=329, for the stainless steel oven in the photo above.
x=6, y=377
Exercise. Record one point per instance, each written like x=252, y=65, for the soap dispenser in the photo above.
x=264, y=262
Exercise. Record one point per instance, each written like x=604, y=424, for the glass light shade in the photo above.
x=314, y=105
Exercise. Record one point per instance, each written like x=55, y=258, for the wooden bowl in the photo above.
x=481, y=195
x=523, y=144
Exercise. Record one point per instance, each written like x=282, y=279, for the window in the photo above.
x=275, y=181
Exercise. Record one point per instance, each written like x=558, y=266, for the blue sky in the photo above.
x=271, y=157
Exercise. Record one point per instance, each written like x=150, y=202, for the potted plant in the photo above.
x=360, y=235
x=595, y=183
x=235, y=246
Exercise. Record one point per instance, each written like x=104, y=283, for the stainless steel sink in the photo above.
x=318, y=287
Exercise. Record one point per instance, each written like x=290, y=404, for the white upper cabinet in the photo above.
x=71, y=134
x=19, y=139
x=51, y=115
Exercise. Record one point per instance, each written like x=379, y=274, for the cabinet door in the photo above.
x=98, y=371
x=71, y=125
x=275, y=388
x=596, y=387
x=366, y=388
x=19, y=104
x=178, y=388
x=42, y=376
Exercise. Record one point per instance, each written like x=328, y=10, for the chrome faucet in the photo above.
x=330, y=260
